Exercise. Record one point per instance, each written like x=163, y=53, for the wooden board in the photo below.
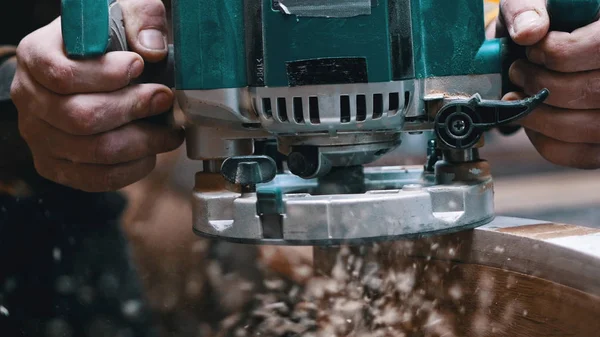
x=514, y=277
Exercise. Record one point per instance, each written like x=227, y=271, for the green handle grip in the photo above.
x=90, y=27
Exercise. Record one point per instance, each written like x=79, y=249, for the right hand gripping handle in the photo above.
x=565, y=16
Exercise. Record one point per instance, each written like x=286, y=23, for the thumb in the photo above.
x=146, y=28
x=527, y=21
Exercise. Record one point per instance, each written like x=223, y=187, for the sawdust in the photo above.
x=358, y=298
x=369, y=292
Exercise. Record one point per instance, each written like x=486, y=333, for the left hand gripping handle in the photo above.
x=92, y=28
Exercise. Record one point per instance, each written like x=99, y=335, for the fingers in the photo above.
x=146, y=28
x=568, y=52
x=91, y=113
x=569, y=138
x=569, y=126
x=527, y=21
x=575, y=155
x=42, y=55
x=129, y=143
x=96, y=113
x=567, y=90
x=94, y=178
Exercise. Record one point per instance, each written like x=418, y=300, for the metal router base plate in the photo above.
x=399, y=203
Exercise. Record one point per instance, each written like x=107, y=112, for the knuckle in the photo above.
x=536, y=81
x=557, y=55
x=591, y=89
x=60, y=75
x=148, y=12
x=104, y=150
x=25, y=130
x=82, y=118
x=153, y=9
x=17, y=88
x=24, y=47
x=584, y=94
x=46, y=169
x=139, y=102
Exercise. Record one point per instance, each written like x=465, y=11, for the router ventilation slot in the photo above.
x=298, y=110
x=282, y=109
x=267, y=109
x=361, y=108
x=377, y=106
x=368, y=108
x=394, y=102
x=345, y=109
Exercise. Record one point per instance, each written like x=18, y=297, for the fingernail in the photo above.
x=525, y=21
x=516, y=75
x=152, y=39
x=136, y=69
x=160, y=103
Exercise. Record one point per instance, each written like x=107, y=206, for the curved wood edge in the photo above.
x=564, y=254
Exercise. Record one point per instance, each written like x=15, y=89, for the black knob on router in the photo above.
x=249, y=170
x=460, y=124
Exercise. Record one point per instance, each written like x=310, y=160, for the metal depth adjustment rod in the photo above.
x=288, y=100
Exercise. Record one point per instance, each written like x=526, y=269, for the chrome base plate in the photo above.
x=399, y=203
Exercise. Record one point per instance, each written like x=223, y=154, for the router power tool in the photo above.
x=287, y=100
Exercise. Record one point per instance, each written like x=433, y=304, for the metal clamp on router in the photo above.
x=287, y=101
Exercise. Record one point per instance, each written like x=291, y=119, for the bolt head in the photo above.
x=459, y=125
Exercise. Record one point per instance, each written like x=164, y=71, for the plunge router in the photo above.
x=287, y=100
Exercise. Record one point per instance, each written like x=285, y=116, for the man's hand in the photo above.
x=566, y=130
x=81, y=119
